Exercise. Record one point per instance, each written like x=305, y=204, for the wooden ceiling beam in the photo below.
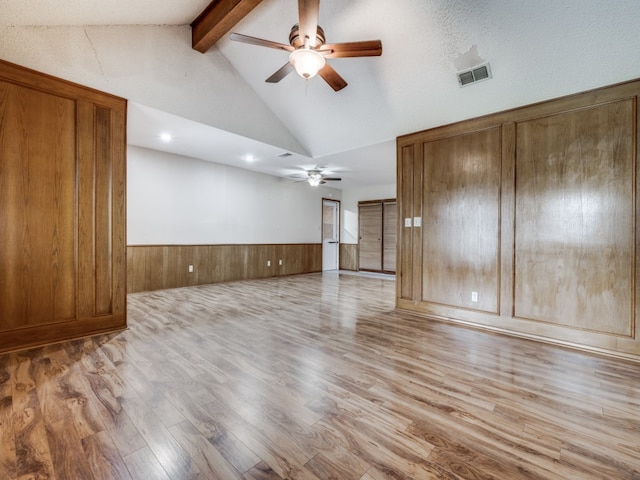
x=216, y=20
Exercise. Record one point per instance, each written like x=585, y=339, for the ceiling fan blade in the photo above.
x=332, y=77
x=238, y=37
x=332, y=179
x=285, y=70
x=367, y=48
x=308, y=19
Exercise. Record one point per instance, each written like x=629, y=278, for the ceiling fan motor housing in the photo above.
x=297, y=41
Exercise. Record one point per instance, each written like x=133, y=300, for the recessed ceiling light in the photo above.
x=166, y=137
x=249, y=158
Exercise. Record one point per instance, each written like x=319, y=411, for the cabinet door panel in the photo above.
x=575, y=219
x=62, y=209
x=37, y=197
x=461, y=220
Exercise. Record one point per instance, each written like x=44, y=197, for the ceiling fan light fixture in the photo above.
x=307, y=62
x=314, y=179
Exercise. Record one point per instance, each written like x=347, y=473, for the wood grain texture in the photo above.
x=218, y=18
x=461, y=223
x=349, y=256
x=37, y=198
x=405, y=182
x=156, y=267
x=370, y=236
x=62, y=188
x=377, y=225
x=389, y=236
x=574, y=221
x=311, y=377
x=562, y=212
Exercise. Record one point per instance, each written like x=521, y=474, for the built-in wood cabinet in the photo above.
x=62, y=209
x=527, y=221
x=377, y=235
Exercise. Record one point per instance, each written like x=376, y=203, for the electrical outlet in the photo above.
x=268, y=263
x=474, y=296
x=190, y=268
x=279, y=262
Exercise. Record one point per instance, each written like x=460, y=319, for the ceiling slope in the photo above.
x=154, y=66
x=537, y=51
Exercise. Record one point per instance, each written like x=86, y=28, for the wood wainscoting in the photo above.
x=349, y=256
x=62, y=209
x=157, y=267
x=529, y=221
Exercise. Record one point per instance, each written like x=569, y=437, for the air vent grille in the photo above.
x=483, y=72
x=285, y=155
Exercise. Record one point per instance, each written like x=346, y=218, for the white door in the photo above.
x=330, y=234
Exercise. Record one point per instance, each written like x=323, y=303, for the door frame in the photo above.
x=337, y=206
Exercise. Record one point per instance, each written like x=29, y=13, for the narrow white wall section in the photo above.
x=178, y=200
x=349, y=206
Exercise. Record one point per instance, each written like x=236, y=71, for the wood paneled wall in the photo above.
x=349, y=256
x=156, y=267
x=62, y=209
x=527, y=221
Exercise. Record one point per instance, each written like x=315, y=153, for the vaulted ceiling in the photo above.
x=536, y=50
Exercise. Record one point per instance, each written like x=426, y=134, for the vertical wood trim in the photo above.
x=404, y=267
x=119, y=205
x=417, y=232
x=85, y=209
x=389, y=236
x=507, y=220
x=103, y=227
x=636, y=198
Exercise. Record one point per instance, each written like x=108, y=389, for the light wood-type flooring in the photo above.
x=311, y=377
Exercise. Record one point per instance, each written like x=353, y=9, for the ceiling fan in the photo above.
x=316, y=176
x=308, y=51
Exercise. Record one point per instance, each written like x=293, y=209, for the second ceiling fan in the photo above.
x=308, y=51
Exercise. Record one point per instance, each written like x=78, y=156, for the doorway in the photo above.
x=330, y=234
x=377, y=235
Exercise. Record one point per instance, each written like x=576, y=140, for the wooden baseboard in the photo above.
x=34, y=336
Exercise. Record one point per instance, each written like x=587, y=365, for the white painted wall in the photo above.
x=349, y=207
x=153, y=65
x=176, y=200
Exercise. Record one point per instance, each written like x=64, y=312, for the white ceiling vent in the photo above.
x=476, y=74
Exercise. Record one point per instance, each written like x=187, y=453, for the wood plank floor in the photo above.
x=311, y=377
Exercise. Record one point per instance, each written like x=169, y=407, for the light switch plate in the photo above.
x=407, y=222
x=417, y=221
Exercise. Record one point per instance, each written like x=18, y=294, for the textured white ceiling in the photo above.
x=537, y=50
x=100, y=12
